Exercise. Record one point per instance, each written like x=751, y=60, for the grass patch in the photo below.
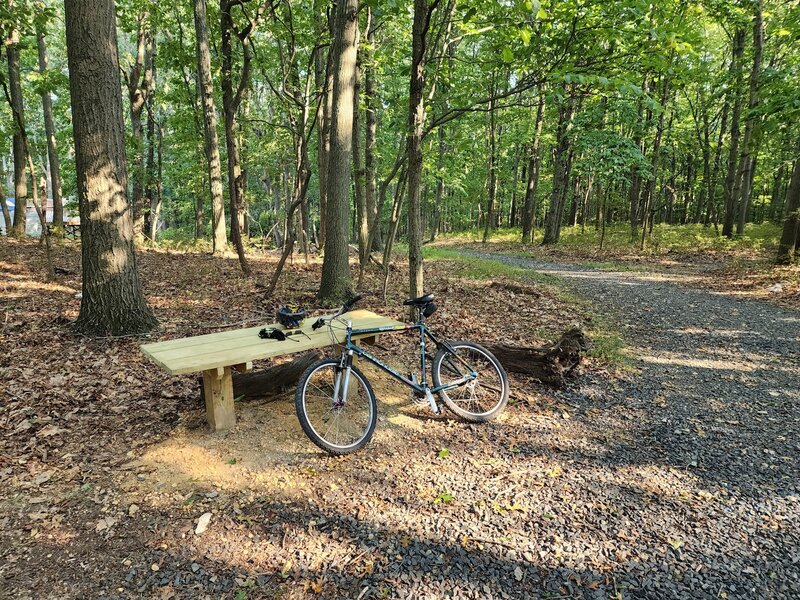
x=476, y=267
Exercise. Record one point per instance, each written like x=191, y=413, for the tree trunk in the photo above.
x=512, y=213
x=139, y=83
x=52, y=152
x=651, y=185
x=561, y=168
x=211, y=146
x=529, y=208
x=336, y=285
x=323, y=79
x=231, y=100
x=492, y=185
x=752, y=128
x=362, y=214
x=416, y=121
x=732, y=181
x=6, y=213
x=112, y=300
x=158, y=198
x=20, y=177
x=371, y=134
x=789, y=243
x=712, y=209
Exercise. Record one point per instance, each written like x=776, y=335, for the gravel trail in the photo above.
x=714, y=401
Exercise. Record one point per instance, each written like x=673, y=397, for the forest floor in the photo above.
x=674, y=478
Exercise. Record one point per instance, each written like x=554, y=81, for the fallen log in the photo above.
x=549, y=364
x=272, y=380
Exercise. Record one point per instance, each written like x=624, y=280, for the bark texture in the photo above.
x=211, y=146
x=18, y=143
x=112, y=301
x=50, y=134
x=336, y=284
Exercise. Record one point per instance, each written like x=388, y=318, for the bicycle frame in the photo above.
x=420, y=387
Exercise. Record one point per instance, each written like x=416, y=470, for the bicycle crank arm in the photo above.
x=431, y=401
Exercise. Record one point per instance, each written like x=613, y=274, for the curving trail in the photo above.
x=716, y=395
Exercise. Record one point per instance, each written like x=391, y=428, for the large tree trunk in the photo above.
x=789, y=246
x=20, y=178
x=231, y=100
x=219, y=234
x=732, y=181
x=416, y=121
x=752, y=128
x=112, y=300
x=336, y=284
x=50, y=134
x=534, y=161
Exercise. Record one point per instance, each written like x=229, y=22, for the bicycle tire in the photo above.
x=458, y=404
x=307, y=421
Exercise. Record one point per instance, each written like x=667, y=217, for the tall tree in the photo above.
x=112, y=300
x=50, y=134
x=529, y=207
x=18, y=109
x=423, y=11
x=139, y=81
x=752, y=128
x=732, y=181
x=211, y=146
x=336, y=284
x=231, y=101
x=789, y=246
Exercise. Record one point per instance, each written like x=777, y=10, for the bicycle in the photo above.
x=337, y=407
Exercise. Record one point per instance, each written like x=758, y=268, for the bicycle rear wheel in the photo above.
x=479, y=399
x=339, y=425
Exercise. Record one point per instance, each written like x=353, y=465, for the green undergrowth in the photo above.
x=664, y=239
x=607, y=346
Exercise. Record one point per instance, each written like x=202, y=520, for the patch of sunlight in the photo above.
x=38, y=286
x=698, y=363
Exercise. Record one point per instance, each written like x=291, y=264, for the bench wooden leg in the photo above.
x=218, y=390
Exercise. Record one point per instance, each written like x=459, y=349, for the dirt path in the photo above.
x=715, y=399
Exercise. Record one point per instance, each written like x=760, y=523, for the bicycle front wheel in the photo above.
x=479, y=383
x=337, y=420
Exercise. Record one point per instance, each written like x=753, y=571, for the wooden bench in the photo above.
x=217, y=355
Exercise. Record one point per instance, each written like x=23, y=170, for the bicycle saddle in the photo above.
x=421, y=301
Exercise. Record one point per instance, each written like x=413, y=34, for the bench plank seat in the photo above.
x=215, y=354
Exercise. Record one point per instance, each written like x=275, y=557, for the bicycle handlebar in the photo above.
x=345, y=308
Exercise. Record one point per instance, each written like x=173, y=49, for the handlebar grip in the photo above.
x=317, y=324
x=349, y=304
